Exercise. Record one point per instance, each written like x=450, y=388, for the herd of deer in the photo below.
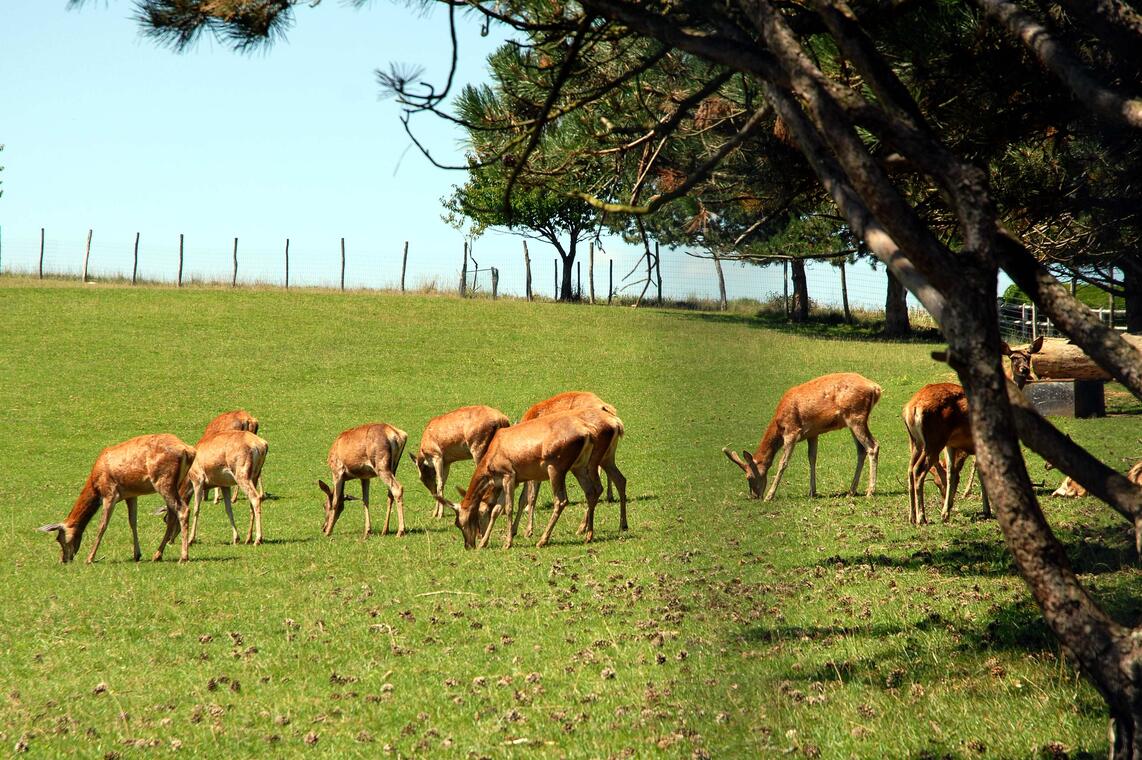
x=574, y=432
x=936, y=419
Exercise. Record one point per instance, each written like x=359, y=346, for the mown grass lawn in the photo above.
x=717, y=626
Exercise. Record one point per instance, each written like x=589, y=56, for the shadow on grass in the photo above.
x=826, y=328
x=287, y=541
x=1096, y=551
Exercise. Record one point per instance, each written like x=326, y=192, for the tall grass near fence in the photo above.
x=717, y=626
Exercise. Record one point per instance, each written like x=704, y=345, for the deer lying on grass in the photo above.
x=567, y=401
x=546, y=448
x=1072, y=489
x=461, y=434
x=363, y=453
x=224, y=460
x=828, y=403
x=239, y=419
x=937, y=422
x=124, y=472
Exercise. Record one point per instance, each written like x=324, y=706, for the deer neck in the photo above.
x=767, y=449
x=85, y=507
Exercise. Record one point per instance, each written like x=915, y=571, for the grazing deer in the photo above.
x=124, y=472
x=830, y=402
x=227, y=459
x=461, y=434
x=567, y=401
x=239, y=419
x=941, y=414
x=936, y=419
x=545, y=448
x=363, y=453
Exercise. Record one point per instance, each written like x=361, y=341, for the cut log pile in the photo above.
x=1062, y=360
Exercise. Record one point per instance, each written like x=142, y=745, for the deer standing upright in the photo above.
x=224, y=460
x=362, y=453
x=239, y=419
x=567, y=401
x=937, y=421
x=464, y=433
x=827, y=403
x=137, y=467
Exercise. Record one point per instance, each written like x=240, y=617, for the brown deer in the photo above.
x=224, y=460
x=545, y=448
x=828, y=403
x=936, y=419
x=362, y=453
x=1072, y=489
x=567, y=401
x=124, y=472
x=947, y=408
x=239, y=419
x=458, y=435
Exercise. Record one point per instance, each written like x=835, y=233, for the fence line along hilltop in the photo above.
x=498, y=266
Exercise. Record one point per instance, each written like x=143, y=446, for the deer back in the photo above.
x=568, y=400
x=239, y=419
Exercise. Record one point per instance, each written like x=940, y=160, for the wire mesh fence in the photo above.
x=613, y=272
x=1022, y=322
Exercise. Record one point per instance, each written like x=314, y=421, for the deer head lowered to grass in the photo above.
x=140, y=466
x=362, y=453
x=806, y=411
x=464, y=433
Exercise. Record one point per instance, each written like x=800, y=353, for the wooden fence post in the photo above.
x=234, y=279
x=180, y=259
x=403, y=266
x=658, y=270
x=495, y=282
x=135, y=268
x=591, y=271
x=287, y=263
x=86, y=255
x=611, y=282
x=464, y=272
x=41, y=253
x=527, y=271
x=342, y=265
x=1109, y=306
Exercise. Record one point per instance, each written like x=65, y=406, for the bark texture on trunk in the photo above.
x=800, y=310
x=896, y=324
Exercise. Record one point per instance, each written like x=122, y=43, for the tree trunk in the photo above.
x=1132, y=284
x=896, y=324
x=566, y=286
x=845, y=295
x=721, y=283
x=800, y=312
x=1102, y=648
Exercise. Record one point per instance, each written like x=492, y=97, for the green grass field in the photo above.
x=717, y=626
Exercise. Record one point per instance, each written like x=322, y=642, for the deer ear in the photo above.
x=751, y=465
x=328, y=491
x=1004, y=349
x=50, y=528
x=1037, y=345
x=461, y=491
x=413, y=458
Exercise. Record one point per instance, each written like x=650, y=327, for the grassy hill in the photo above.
x=717, y=626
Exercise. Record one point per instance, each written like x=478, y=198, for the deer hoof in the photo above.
x=158, y=557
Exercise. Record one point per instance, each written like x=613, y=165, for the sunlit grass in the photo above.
x=716, y=626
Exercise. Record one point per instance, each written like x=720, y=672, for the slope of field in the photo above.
x=717, y=626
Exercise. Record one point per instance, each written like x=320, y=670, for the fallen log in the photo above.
x=1059, y=359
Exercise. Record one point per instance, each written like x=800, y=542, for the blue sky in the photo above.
x=105, y=130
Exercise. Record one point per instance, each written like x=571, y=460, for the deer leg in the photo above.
x=508, y=495
x=441, y=478
x=532, y=492
x=592, y=490
x=955, y=464
x=912, y=455
x=368, y=517
x=396, y=493
x=559, y=489
x=108, y=503
x=133, y=519
x=521, y=507
x=812, y=466
x=866, y=446
x=986, y=501
x=786, y=452
x=228, y=500
x=198, y=494
x=616, y=476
